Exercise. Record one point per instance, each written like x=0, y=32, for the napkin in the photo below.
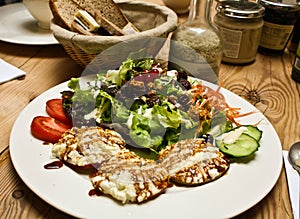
x=9, y=72
x=293, y=183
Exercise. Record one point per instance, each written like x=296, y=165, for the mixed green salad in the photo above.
x=152, y=107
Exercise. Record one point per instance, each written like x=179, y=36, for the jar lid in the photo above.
x=285, y=4
x=240, y=9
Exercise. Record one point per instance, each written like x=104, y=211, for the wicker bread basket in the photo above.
x=152, y=20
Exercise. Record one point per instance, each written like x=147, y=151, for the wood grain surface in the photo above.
x=266, y=84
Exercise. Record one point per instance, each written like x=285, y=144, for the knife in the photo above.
x=293, y=185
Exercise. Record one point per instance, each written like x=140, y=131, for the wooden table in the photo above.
x=266, y=84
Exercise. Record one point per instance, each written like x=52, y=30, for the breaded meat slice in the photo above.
x=132, y=180
x=89, y=146
x=193, y=162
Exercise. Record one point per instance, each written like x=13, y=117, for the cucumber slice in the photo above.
x=243, y=146
x=253, y=131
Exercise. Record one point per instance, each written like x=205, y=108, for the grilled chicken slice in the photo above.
x=131, y=180
x=127, y=177
x=193, y=162
x=89, y=146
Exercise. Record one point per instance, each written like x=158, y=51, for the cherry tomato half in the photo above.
x=55, y=109
x=48, y=129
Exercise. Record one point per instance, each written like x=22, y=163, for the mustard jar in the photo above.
x=240, y=24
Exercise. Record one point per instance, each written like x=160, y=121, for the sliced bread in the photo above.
x=106, y=13
x=63, y=12
x=107, y=25
x=108, y=9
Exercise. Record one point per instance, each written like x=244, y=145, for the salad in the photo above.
x=152, y=108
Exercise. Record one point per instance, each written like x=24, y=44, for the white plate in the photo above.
x=18, y=26
x=242, y=187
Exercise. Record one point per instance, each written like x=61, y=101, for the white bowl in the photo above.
x=40, y=10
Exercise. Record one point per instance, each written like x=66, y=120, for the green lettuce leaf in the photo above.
x=126, y=69
x=166, y=116
x=141, y=132
x=74, y=84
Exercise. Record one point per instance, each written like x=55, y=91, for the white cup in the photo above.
x=40, y=10
x=179, y=6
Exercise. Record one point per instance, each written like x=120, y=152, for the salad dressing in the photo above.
x=231, y=137
x=54, y=165
x=95, y=192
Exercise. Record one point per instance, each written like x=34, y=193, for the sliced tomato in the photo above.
x=48, y=129
x=54, y=108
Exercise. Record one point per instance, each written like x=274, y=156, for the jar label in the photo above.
x=298, y=50
x=275, y=36
x=232, y=42
x=297, y=64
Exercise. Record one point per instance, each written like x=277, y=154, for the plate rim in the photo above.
x=20, y=8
